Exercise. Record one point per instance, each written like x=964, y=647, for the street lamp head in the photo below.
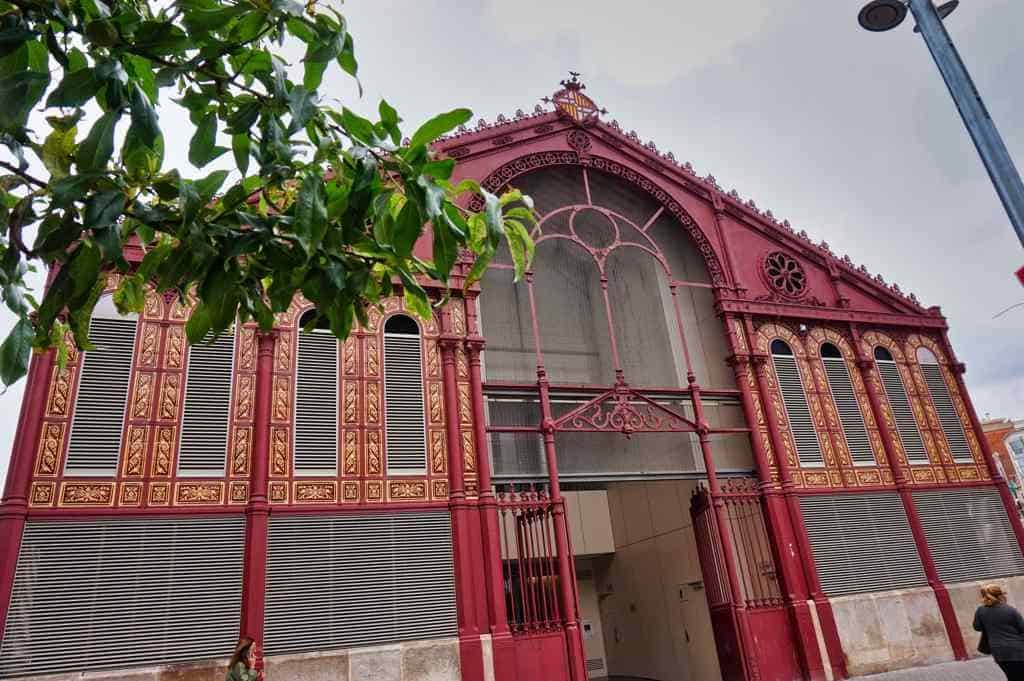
x=882, y=15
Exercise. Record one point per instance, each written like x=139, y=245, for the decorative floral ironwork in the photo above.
x=627, y=411
x=785, y=274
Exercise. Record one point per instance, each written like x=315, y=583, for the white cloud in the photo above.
x=649, y=42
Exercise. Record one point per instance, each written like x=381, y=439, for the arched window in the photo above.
x=801, y=423
x=913, y=445
x=405, y=423
x=316, y=399
x=943, y=402
x=207, y=409
x=95, y=441
x=845, y=399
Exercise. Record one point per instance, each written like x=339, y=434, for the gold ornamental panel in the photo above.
x=195, y=493
x=87, y=494
x=42, y=493
x=51, y=447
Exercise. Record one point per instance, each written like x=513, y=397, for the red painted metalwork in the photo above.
x=867, y=367
x=502, y=647
x=826, y=617
x=14, y=508
x=783, y=544
x=258, y=511
x=470, y=648
x=1000, y=482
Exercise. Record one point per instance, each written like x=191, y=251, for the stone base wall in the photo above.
x=436, y=660
x=891, y=630
x=966, y=599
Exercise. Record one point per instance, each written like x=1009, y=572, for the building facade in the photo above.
x=692, y=444
x=1006, y=438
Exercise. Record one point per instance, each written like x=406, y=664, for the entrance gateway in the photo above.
x=689, y=445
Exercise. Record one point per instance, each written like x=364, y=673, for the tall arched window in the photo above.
x=952, y=428
x=207, y=410
x=847, y=406
x=95, y=441
x=913, y=445
x=405, y=416
x=801, y=423
x=316, y=400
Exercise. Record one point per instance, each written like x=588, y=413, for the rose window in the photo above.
x=785, y=274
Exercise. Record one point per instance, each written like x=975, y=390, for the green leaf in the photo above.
x=439, y=125
x=15, y=352
x=210, y=185
x=240, y=147
x=302, y=107
x=416, y=300
x=140, y=160
x=102, y=33
x=98, y=147
x=407, y=229
x=202, y=149
x=103, y=209
x=358, y=127
x=144, y=117
x=492, y=218
x=313, y=74
x=446, y=249
x=24, y=77
x=76, y=88
x=141, y=71
x=520, y=245
x=56, y=234
x=347, y=61
x=310, y=223
x=72, y=188
x=58, y=152
x=479, y=268
x=198, y=324
x=130, y=295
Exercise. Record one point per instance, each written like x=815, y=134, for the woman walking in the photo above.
x=239, y=668
x=1002, y=631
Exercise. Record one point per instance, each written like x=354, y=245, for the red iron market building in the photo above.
x=692, y=444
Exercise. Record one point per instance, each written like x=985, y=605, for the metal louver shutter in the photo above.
x=910, y=436
x=862, y=543
x=969, y=534
x=316, y=404
x=948, y=418
x=403, y=403
x=110, y=594
x=353, y=580
x=204, y=427
x=95, y=442
x=799, y=414
x=848, y=408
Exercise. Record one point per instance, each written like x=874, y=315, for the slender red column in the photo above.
x=1000, y=482
x=502, y=647
x=257, y=513
x=14, y=508
x=866, y=367
x=826, y=617
x=470, y=650
x=784, y=548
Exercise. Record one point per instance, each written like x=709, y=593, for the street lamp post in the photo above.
x=882, y=15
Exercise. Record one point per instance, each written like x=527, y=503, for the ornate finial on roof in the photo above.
x=572, y=103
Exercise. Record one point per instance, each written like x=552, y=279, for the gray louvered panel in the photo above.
x=848, y=408
x=204, y=427
x=861, y=543
x=110, y=594
x=798, y=413
x=316, y=404
x=370, y=579
x=969, y=534
x=952, y=427
x=95, y=442
x=403, y=403
x=906, y=424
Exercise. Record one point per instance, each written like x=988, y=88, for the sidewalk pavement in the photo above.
x=980, y=669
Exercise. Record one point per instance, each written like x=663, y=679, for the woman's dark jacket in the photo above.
x=1004, y=627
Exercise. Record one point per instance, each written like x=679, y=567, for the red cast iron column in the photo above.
x=993, y=469
x=784, y=547
x=566, y=574
x=14, y=509
x=470, y=650
x=257, y=513
x=503, y=652
x=866, y=366
x=826, y=617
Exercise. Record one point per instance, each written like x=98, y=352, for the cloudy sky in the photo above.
x=848, y=134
